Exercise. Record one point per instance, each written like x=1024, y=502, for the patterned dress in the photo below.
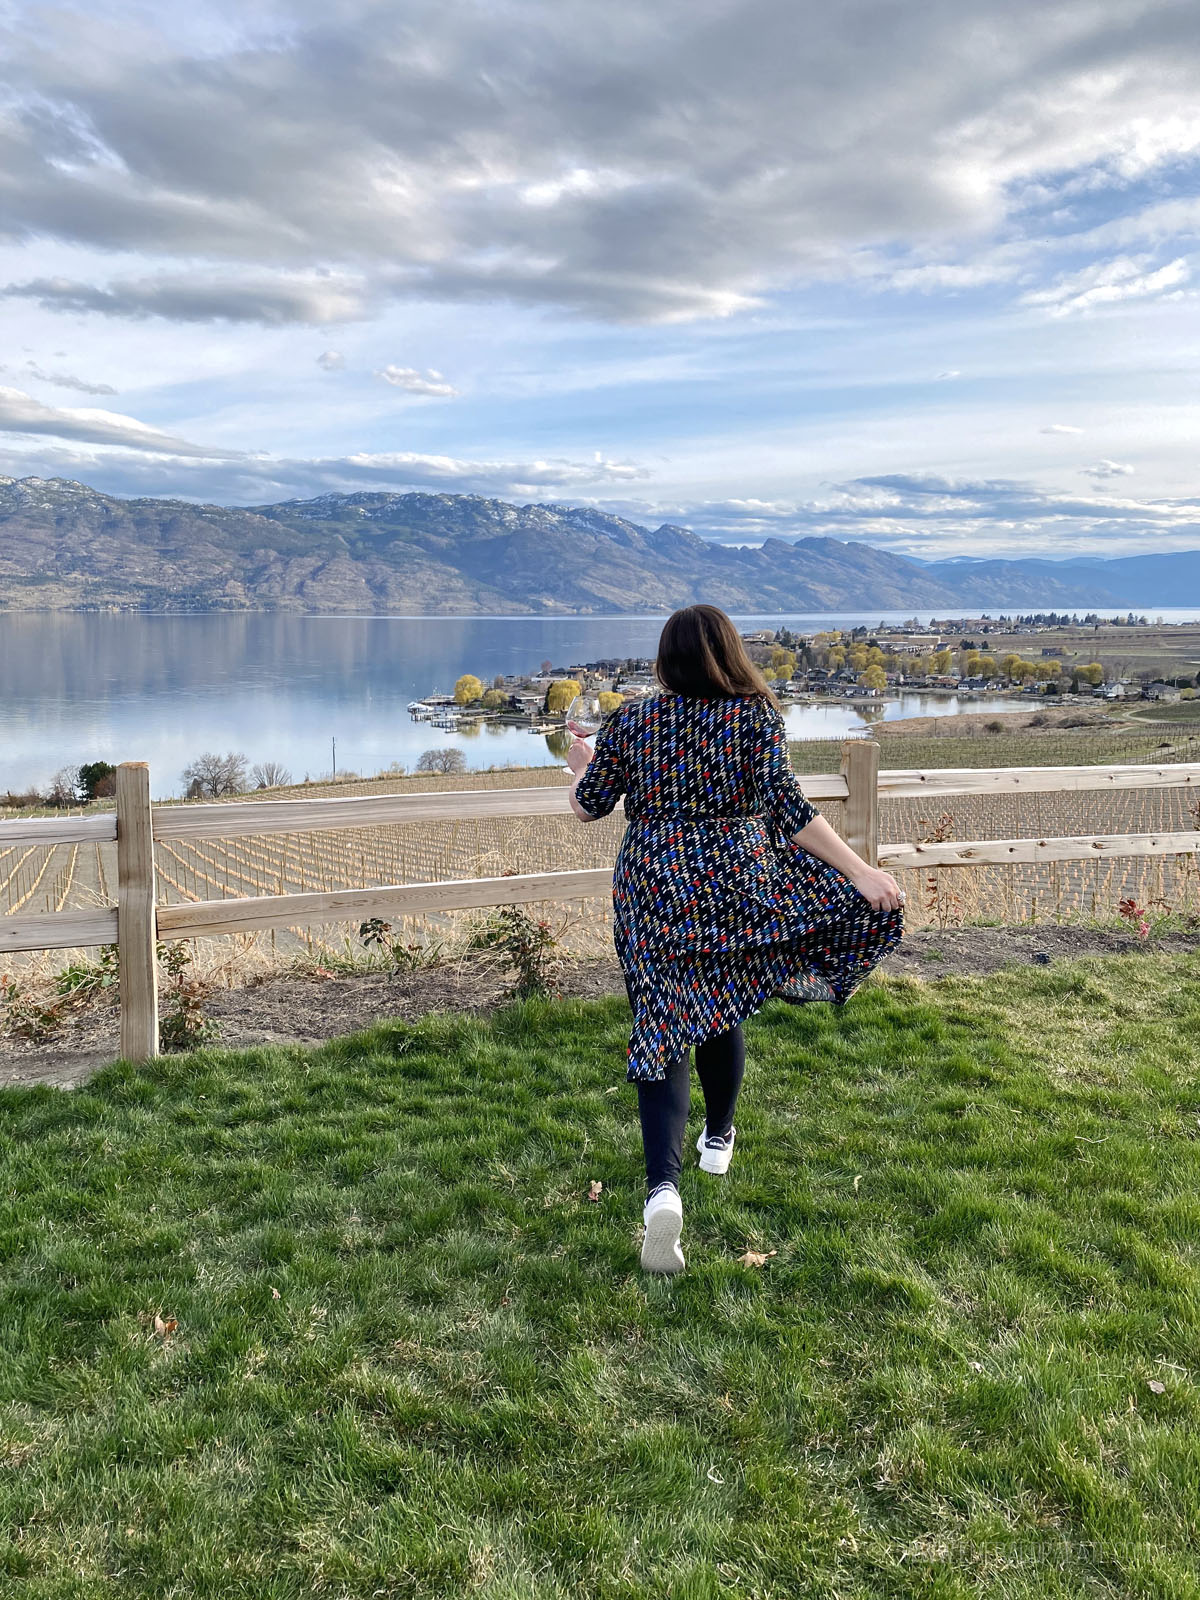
x=715, y=910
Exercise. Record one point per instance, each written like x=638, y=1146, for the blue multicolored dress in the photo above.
x=716, y=911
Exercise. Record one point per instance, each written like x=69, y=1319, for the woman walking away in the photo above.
x=730, y=889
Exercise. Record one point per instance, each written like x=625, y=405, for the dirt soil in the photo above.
x=293, y=1009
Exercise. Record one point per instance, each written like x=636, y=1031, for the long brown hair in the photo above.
x=700, y=653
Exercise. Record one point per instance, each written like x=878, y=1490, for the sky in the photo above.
x=922, y=273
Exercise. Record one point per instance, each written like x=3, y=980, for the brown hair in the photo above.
x=700, y=653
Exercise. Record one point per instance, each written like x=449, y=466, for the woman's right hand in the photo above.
x=879, y=888
x=578, y=756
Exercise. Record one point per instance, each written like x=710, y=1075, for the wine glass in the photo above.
x=584, y=711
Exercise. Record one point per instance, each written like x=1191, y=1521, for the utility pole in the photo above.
x=334, y=741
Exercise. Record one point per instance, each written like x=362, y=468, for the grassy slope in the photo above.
x=984, y=1196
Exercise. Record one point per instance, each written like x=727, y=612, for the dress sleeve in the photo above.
x=603, y=782
x=779, y=791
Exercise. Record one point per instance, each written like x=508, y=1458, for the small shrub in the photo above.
x=26, y=1015
x=87, y=981
x=529, y=946
x=993, y=727
x=184, y=1026
x=404, y=957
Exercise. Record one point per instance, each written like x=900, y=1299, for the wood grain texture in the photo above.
x=399, y=900
x=1002, y=852
x=59, y=930
x=136, y=920
x=906, y=784
x=58, y=830
x=245, y=818
x=860, y=769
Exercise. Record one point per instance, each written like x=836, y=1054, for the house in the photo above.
x=1161, y=691
x=1110, y=691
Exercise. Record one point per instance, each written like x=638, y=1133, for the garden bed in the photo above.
x=319, y=1004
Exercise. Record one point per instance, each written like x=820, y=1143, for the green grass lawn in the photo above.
x=413, y=1359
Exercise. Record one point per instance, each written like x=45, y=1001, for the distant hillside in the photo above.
x=64, y=546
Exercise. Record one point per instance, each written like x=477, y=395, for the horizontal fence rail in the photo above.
x=138, y=921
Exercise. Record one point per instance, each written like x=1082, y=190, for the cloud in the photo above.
x=65, y=380
x=194, y=297
x=21, y=413
x=249, y=479
x=1106, y=282
x=923, y=514
x=621, y=161
x=1108, y=469
x=331, y=360
x=1061, y=427
x=946, y=377
x=414, y=382
x=466, y=476
x=932, y=516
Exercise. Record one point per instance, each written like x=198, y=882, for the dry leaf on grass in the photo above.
x=757, y=1258
x=1156, y=1387
x=857, y=1181
x=275, y=1294
x=164, y=1327
x=594, y=1189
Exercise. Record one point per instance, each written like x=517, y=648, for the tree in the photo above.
x=96, y=779
x=215, y=775
x=1009, y=662
x=942, y=661
x=560, y=694
x=1092, y=672
x=467, y=690
x=447, y=760
x=269, y=775
x=63, y=790
x=494, y=700
x=873, y=678
x=609, y=701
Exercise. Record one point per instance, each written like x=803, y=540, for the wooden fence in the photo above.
x=138, y=921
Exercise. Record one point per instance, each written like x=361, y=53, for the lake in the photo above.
x=77, y=687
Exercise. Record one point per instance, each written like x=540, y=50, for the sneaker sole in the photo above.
x=660, y=1248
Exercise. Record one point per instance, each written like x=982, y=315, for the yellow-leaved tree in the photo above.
x=873, y=678
x=467, y=690
x=609, y=700
x=561, y=694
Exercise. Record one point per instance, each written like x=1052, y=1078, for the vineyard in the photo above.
x=40, y=879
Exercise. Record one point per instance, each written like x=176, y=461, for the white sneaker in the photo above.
x=663, y=1217
x=715, y=1154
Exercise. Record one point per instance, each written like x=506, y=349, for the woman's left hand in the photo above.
x=879, y=888
x=578, y=756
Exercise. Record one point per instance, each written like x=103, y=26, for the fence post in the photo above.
x=137, y=929
x=860, y=768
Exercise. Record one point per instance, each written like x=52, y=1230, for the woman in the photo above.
x=729, y=889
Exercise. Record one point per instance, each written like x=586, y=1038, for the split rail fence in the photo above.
x=138, y=922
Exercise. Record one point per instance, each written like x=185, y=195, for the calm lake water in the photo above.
x=162, y=689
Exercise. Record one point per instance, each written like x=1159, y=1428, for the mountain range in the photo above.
x=66, y=546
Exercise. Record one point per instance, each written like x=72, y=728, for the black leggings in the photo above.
x=664, y=1106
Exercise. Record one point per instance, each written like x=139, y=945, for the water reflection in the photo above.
x=77, y=687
